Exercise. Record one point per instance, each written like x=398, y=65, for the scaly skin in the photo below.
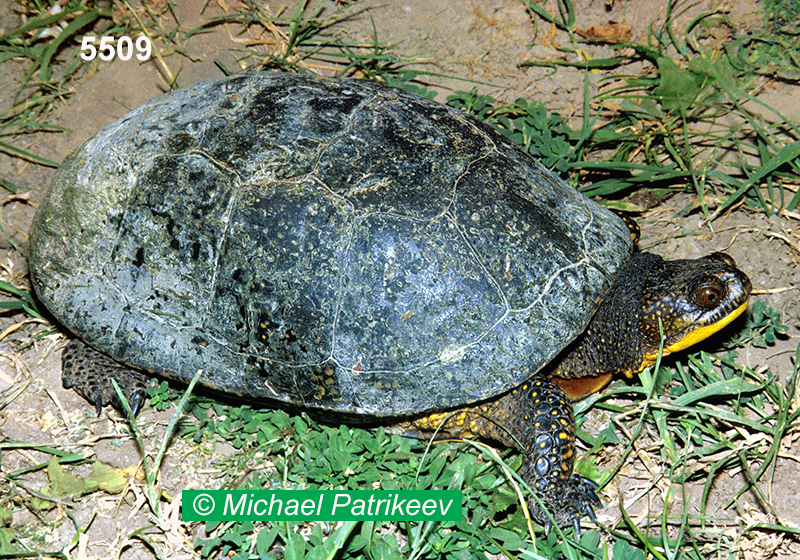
x=89, y=373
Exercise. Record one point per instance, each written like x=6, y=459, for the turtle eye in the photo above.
x=708, y=293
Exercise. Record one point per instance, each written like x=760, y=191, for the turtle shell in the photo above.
x=335, y=244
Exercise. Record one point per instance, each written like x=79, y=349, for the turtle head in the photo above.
x=686, y=301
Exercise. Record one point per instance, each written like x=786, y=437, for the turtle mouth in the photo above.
x=700, y=333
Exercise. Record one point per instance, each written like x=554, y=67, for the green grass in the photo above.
x=665, y=130
x=307, y=38
x=42, y=43
x=782, y=15
x=689, y=122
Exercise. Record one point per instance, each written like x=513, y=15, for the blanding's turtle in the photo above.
x=356, y=250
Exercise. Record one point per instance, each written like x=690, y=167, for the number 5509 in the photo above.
x=107, y=50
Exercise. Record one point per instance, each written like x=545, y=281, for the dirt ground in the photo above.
x=479, y=40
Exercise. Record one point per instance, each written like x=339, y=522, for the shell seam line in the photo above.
x=226, y=219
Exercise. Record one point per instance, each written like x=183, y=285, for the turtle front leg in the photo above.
x=536, y=418
x=89, y=373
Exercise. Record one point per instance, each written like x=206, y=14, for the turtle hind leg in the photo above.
x=89, y=373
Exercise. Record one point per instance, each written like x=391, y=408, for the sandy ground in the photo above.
x=482, y=41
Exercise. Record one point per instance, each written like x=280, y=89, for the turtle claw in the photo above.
x=136, y=401
x=576, y=525
x=587, y=488
x=589, y=512
x=577, y=500
x=583, y=500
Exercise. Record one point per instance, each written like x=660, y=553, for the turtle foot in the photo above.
x=89, y=373
x=579, y=499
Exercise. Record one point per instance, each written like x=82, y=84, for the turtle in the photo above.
x=363, y=253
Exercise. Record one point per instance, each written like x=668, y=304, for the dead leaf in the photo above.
x=612, y=32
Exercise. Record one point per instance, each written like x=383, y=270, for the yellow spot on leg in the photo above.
x=459, y=423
